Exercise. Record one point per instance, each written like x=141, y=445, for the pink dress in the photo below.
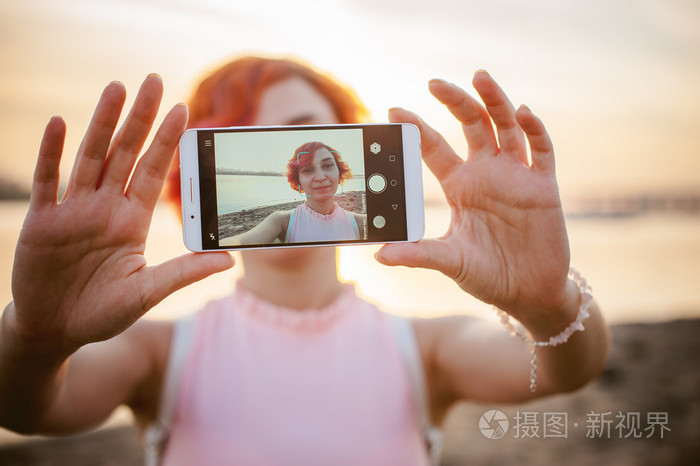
x=305, y=224
x=267, y=385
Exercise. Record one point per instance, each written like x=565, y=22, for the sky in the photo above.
x=271, y=151
x=615, y=81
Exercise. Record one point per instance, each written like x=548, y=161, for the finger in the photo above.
x=436, y=152
x=93, y=149
x=45, y=186
x=476, y=123
x=541, y=146
x=510, y=137
x=168, y=277
x=428, y=253
x=149, y=176
x=130, y=138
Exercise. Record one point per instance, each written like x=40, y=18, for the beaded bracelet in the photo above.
x=563, y=337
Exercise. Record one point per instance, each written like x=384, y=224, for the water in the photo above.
x=642, y=268
x=238, y=192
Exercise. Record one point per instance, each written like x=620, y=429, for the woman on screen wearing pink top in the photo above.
x=316, y=170
x=294, y=368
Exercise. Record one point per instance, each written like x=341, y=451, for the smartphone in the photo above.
x=290, y=186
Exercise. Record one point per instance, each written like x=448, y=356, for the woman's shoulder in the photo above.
x=149, y=342
x=277, y=220
x=359, y=218
x=280, y=216
x=430, y=331
x=152, y=336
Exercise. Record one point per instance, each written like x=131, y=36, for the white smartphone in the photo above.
x=289, y=186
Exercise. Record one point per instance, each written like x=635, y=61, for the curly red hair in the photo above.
x=305, y=154
x=230, y=96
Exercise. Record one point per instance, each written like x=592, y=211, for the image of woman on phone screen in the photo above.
x=294, y=367
x=315, y=171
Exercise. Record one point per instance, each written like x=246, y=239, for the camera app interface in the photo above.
x=304, y=186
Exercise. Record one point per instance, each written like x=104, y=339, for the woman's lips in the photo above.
x=322, y=188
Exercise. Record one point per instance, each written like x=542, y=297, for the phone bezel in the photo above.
x=189, y=191
x=413, y=176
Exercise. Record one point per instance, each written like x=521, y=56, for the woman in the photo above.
x=316, y=171
x=293, y=368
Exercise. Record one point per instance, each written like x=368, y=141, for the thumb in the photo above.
x=428, y=253
x=168, y=277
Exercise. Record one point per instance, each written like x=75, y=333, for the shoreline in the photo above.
x=235, y=223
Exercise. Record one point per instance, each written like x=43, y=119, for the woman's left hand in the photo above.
x=507, y=243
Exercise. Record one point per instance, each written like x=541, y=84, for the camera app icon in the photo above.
x=375, y=148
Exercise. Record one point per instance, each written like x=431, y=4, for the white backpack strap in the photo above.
x=402, y=328
x=156, y=435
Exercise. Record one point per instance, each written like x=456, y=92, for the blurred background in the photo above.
x=616, y=83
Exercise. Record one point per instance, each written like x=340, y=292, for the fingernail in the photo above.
x=154, y=75
x=183, y=105
x=444, y=82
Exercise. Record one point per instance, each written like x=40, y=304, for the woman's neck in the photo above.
x=301, y=278
x=324, y=207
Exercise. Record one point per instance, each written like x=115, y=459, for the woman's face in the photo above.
x=294, y=101
x=319, y=179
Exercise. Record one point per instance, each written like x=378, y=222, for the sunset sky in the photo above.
x=616, y=81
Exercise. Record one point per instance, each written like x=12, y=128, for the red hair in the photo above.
x=230, y=96
x=305, y=154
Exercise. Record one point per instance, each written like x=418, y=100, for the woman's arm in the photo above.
x=273, y=227
x=79, y=274
x=506, y=245
x=467, y=358
x=52, y=394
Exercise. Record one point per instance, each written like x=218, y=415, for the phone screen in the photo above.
x=302, y=185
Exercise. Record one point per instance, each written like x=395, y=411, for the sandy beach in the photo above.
x=236, y=223
x=652, y=372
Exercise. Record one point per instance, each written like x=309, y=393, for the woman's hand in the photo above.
x=507, y=243
x=80, y=274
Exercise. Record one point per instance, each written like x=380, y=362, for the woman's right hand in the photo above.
x=79, y=273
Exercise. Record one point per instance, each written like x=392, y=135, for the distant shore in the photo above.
x=235, y=223
x=12, y=191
